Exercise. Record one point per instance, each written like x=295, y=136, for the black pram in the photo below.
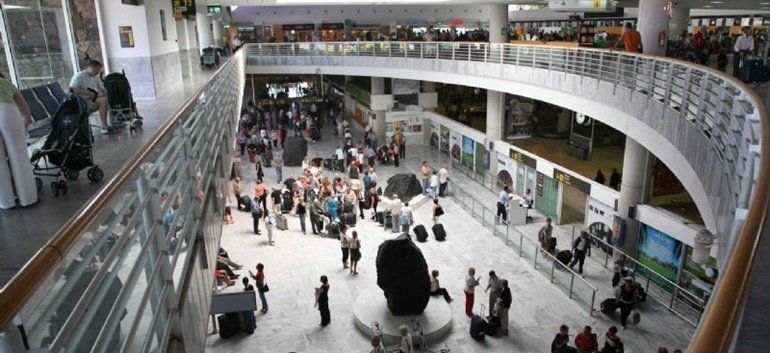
x=68, y=148
x=121, y=101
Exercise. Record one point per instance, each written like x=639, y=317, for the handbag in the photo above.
x=265, y=288
x=439, y=211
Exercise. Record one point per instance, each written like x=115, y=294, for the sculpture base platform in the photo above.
x=370, y=306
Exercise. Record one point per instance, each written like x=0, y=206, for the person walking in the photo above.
x=581, y=248
x=505, y=306
x=434, y=185
x=630, y=40
x=470, y=287
x=260, y=192
x=355, y=252
x=502, y=204
x=322, y=300
x=493, y=288
x=426, y=173
x=16, y=177
x=438, y=211
x=627, y=296
x=435, y=287
x=406, y=218
x=256, y=213
x=345, y=246
x=301, y=211
x=278, y=166
x=395, y=209
x=261, y=285
x=443, y=180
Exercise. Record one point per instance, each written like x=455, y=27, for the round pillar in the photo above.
x=632, y=185
x=378, y=125
x=498, y=23
x=678, y=23
x=652, y=20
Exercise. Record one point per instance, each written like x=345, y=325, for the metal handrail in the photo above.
x=29, y=278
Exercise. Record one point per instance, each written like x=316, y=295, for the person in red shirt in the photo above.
x=259, y=191
x=630, y=40
x=586, y=342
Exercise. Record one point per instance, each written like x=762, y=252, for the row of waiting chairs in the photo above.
x=43, y=102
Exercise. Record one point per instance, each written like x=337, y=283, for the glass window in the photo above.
x=39, y=42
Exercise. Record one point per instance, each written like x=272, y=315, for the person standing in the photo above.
x=316, y=216
x=435, y=287
x=545, y=234
x=345, y=246
x=505, y=306
x=615, y=179
x=278, y=166
x=630, y=40
x=437, y=211
x=395, y=209
x=586, y=342
x=301, y=211
x=426, y=173
x=406, y=345
x=256, y=213
x=355, y=252
x=261, y=285
x=599, y=177
x=627, y=296
x=494, y=288
x=269, y=225
x=502, y=204
x=16, y=177
x=402, y=147
x=470, y=287
x=260, y=193
x=744, y=46
x=237, y=192
x=434, y=185
x=581, y=248
x=322, y=300
x=406, y=218
x=443, y=180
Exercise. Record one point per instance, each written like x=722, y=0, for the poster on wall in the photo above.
x=405, y=87
x=434, y=134
x=126, y=36
x=444, y=139
x=696, y=278
x=468, y=152
x=482, y=158
x=661, y=254
x=454, y=143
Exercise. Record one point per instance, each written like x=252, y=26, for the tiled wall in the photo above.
x=167, y=71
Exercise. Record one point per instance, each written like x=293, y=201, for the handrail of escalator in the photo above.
x=28, y=279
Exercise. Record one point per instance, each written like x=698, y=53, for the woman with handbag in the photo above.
x=261, y=285
x=322, y=301
x=438, y=211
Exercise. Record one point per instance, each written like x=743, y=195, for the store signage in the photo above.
x=214, y=9
x=185, y=7
x=366, y=26
x=522, y=158
x=571, y=181
x=582, y=5
x=332, y=26
x=539, y=184
x=299, y=27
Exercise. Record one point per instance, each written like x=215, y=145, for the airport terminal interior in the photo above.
x=384, y=176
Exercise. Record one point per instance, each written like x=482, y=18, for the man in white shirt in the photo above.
x=340, y=156
x=744, y=46
x=503, y=198
x=443, y=180
x=395, y=208
x=406, y=345
x=87, y=84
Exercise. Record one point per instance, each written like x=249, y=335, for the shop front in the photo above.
x=332, y=32
x=302, y=32
x=368, y=31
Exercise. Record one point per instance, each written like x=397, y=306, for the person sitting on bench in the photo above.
x=87, y=84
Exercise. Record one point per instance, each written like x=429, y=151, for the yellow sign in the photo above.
x=597, y=3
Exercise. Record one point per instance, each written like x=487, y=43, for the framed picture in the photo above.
x=126, y=36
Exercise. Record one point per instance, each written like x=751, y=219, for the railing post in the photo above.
x=553, y=267
x=537, y=251
x=571, y=283
x=421, y=51
x=521, y=243
x=469, y=51
x=593, y=302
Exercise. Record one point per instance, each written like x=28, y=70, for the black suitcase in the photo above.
x=420, y=233
x=478, y=328
x=328, y=164
x=333, y=229
x=753, y=71
x=493, y=324
x=438, y=232
x=268, y=162
x=287, y=203
x=388, y=221
x=349, y=219
x=551, y=244
x=229, y=325
x=245, y=199
x=564, y=256
x=347, y=207
x=609, y=305
x=380, y=216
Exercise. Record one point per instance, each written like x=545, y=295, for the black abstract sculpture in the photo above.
x=402, y=273
x=294, y=151
x=405, y=186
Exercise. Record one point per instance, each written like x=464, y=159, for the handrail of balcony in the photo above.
x=32, y=275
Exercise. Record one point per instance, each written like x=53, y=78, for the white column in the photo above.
x=679, y=22
x=378, y=126
x=205, y=34
x=495, y=117
x=563, y=121
x=498, y=21
x=217, y=24
x=427, y=87
x=634, y=179
x=652, y=21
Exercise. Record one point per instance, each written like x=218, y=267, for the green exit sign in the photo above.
x=214, y=8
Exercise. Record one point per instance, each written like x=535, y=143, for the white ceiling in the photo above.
x=693, y=4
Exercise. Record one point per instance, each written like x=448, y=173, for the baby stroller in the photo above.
x=210, y=58
x=68, y=148
x=122, y=106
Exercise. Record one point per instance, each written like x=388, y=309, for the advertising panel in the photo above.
x=482, y=158
x=444, y=139
x=454, y=145
x=661, y=253
x=467, y=158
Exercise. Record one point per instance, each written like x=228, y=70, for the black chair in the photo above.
x=50, y=103
x=57, y=91
x=39, y=114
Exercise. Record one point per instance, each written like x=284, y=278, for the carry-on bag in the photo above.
x=420, y=233
x=438, y=232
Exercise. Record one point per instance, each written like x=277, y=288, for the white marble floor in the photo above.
x=295, y=263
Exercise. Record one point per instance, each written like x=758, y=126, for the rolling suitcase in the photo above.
x=438, y=232
x=246, y=200
x=551, y=244
x=380, y=216
x=609, y=305
x=280, y=222
x=229, y=325
x=328, y=164
x=753, y=71
x=287, y=203
x=333, y=229
x=564, y=256
x=388, y=221
x=349, y=219
x=420, y=233
x=478, y=328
